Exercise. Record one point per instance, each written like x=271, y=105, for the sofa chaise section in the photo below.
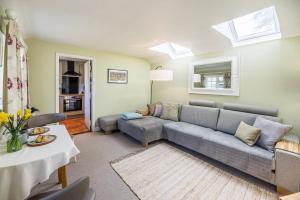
x=145, y=130
x=109, y=123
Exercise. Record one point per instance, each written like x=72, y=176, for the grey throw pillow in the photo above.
x=248, y=134
x=271, y=132
x=170, y=111
x=157, y=110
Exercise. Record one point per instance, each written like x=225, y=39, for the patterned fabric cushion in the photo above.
x=247, y=133
x=170, y=111
x=143, y=111
x=158, y=110
x=151, y=108
x=271, y=132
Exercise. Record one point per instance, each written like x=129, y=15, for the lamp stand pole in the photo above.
x=151, y=92
x=158, y=67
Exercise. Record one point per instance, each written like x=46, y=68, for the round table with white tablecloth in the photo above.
x=22, y=170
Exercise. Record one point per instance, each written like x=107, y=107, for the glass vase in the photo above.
x=14, y=143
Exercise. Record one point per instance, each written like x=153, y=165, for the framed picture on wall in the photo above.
x=117, y=76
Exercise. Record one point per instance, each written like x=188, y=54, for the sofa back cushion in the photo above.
x=204, y=103
x=229, y=120
x=251, y=109
x=202, y=116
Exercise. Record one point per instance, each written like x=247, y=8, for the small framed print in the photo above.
x=117, y=76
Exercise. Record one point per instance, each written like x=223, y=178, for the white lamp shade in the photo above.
x=161, y=75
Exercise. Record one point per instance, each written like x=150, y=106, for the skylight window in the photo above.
x=173, y=50
x=255, y=27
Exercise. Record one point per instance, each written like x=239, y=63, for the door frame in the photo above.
x=93, y=83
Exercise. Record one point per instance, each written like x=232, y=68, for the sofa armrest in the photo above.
x=292, y=138
x=287, y=157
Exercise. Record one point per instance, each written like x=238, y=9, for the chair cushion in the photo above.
x=146, y=130
x=90, y=195
x=45, y=119
x=229, y=120
x=198, y=115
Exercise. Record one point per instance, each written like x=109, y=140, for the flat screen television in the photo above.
x=70, y=85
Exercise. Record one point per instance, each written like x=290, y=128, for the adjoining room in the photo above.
x=75, y=92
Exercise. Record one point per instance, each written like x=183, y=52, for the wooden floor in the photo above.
x=75, y=125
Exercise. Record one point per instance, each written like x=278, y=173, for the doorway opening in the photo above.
x=74, y=92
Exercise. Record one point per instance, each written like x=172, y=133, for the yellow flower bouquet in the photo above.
x=14, y=126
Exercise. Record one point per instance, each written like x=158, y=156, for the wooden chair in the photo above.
x=42, y=120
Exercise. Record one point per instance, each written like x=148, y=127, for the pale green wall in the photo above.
x=109, y=98
x=270, y=76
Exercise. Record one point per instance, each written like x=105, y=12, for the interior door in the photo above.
x=87, y=94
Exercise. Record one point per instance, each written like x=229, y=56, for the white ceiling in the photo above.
x=132, y=26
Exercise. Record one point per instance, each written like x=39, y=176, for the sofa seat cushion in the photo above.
x=146, y=130
x=186, y=134
x=224, y=148
x=233, y=152
x=239, y=146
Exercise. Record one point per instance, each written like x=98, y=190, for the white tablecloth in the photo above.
x=22, y=170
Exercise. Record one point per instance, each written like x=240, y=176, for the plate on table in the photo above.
x=42, y=140
x=39, y=131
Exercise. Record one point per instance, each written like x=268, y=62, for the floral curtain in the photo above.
x=16, y=70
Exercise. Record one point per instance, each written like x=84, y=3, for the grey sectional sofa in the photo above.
x=210, y=131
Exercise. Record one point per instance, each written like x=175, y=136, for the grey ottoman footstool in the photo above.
x=109, y=123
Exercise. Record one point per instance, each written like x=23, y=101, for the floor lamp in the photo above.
x=159, y=74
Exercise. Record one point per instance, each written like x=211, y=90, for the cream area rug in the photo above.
x=164, y=172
